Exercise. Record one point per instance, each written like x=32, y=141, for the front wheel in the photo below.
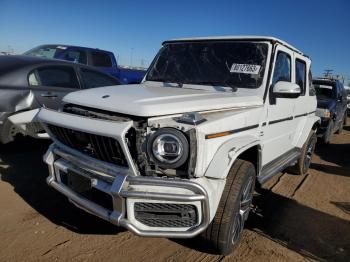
x=224, y=232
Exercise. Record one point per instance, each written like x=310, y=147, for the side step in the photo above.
x=279, y=164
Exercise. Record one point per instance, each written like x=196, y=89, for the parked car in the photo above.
x=331, y=107
x=347, y=89
x=179, y=155
x=101, y=59
x=28, y=83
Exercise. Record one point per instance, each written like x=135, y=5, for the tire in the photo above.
x=329, y=132
x=341, y=126
x=224, y=232
x=304, y=161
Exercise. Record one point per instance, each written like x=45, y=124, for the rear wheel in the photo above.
x=329, y=131
x=304, y=161
x=224, y=232
x=341, y=125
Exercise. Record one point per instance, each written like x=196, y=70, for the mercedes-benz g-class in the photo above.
x=180, y=154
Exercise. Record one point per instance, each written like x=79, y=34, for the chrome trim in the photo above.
x=61, y=161
x=84, y=204
x=162, y=196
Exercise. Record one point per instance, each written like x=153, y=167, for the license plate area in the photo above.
x=78, y=183
x=83, y=186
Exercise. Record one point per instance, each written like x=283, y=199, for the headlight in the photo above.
x=168, y=148
x=323, y=113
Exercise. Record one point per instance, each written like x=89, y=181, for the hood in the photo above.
x=325, y=103
x=146, y=101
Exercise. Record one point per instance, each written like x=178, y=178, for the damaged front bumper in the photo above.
x=147, y=206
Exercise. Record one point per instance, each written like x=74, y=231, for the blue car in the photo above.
x=103, y=60
x=331, y=107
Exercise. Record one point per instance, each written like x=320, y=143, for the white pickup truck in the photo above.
x=179, y=155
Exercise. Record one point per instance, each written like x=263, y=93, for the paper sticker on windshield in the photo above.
x=245, y=69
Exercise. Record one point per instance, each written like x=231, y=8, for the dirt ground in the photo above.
x=299, y=218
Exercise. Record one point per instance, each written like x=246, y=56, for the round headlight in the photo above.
x=168, y=148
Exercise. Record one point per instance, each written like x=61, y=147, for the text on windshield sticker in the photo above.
x=245, y=69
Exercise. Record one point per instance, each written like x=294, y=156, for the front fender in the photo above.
x=227, y=153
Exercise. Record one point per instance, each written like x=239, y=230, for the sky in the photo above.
x=134, y=30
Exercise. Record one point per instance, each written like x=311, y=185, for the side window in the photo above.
x=282, y=71
x=312, y=90
x=101, y=59
x=76, y=56
x=56, y=76
x=300, y=75
x=93, y=79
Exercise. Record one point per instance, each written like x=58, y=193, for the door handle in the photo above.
x=48, y=95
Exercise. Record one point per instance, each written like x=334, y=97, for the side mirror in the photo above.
x=286, y=89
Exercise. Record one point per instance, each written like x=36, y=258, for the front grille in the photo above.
x=103, y=148
x=165, y=215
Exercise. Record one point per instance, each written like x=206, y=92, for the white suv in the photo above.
x=180, y=153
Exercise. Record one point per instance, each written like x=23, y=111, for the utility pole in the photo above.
x=328, y=73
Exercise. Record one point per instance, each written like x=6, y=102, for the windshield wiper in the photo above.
x=217, y=83
x=179, y=83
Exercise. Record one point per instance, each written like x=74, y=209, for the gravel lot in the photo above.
x=299, y=218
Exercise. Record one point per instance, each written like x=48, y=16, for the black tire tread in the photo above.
x=220, y=225
x=341, y=125
x=298, y=168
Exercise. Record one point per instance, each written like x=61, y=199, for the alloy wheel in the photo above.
x=244, y=208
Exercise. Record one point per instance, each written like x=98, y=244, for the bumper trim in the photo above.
x=83, y=203
x=120, y=188
x=162, y=196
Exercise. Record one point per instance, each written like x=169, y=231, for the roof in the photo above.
x=73, y=46
x=234, y=37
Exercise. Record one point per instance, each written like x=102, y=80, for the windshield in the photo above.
x=47, y=51
x=232, y=64
x=324, y=91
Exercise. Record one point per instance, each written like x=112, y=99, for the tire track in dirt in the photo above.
x=63, y=243
x=289, y=185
